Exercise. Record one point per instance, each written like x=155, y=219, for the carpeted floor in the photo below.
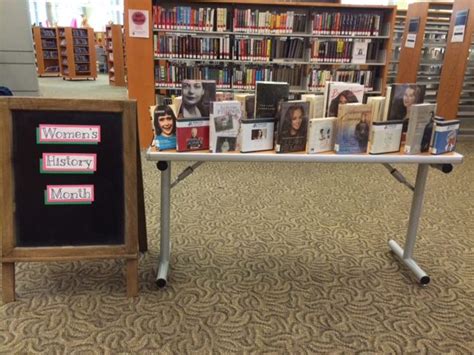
x=269, y=258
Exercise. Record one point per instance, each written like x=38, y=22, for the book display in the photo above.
x=114, y=46
x=46, y=48
x=77, y=53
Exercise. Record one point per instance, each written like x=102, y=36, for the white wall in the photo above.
x=17, y=59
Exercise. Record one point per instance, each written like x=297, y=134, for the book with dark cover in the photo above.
x=269, y=95
x=444, y=136
x=353, y=128
x=197, y=96
x=192, y=134
x=292, y=127
x=402, y=96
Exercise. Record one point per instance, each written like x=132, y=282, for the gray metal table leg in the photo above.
x=165, y=243
x=415, y=212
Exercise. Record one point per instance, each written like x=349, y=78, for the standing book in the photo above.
x=192, y=134
x=445, y=135
x=339, y=93
x=257, y=135
x=353, y=128
x=385, y=137
x=224, y=122
x=321, y=134
x=292, y=127
x=420, y=128
x=268, y=97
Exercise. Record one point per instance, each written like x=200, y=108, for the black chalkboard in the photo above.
x=37, y=224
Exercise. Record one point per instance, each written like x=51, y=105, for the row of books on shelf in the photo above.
x=49, y=44
x=50, y=54
x=336, y=121
x=47, y=33
x=266, y=49
x=272, y=22
x=244, y=78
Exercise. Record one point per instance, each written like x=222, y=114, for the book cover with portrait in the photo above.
x=196, y=98
x=445, y=135
x=339, y=93
x=224, y=122
x=353, y=128
x=292, y=127
x=257, y=135
x=402, y=96
x=163, y=122
x=192, y=134
x=268, y=96
x=321, y=134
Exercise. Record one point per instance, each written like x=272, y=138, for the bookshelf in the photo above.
x=222, y=46
x=115, y=55
x=399, y=26
x=77, y=53
x=456, y=79
x=46, y=48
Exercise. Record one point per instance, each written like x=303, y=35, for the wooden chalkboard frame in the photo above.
x=134, y=229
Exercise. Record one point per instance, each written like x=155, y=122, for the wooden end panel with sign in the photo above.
x=69, y=191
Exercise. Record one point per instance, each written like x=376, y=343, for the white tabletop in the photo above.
x=329, y=157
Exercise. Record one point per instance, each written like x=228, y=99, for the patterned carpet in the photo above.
x=269, y=258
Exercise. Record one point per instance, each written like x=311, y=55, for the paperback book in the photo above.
x=420, y=128
x=353, y=128
x=339, y=93
x=292, y=127
x=257, y=135
x=321, y=134
x=445, y=135
x=385, y=137
x=224, y=127
x=192, y=134
x=163, y=125
x=268, y=97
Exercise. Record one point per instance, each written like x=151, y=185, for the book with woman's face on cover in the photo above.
x=196, y=99
x=292, y=127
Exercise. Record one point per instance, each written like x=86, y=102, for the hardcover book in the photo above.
x=292, y=127
x=402, y=96
x=224, y=124
x=197, y=96
x=378, y=105
x=268, y=97
x=445, y=135
x=420, y=128
x=359, y=51
x=247, y=102
x=353, y=128
x=385, y=137
x=339, y=93
x=192, y=134
x=257, y=135
x=316, y=105
x=321, y=134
